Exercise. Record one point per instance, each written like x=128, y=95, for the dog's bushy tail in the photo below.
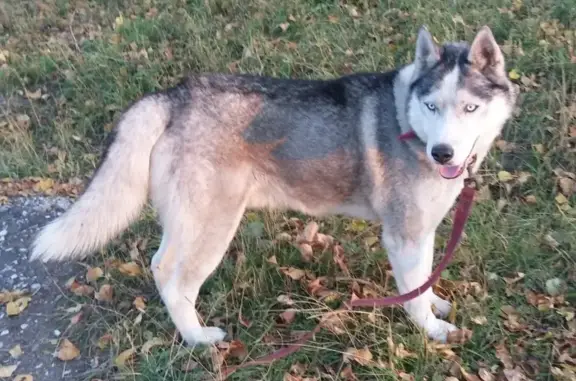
x=117, y=192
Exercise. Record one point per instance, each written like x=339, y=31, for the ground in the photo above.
x=67, y=69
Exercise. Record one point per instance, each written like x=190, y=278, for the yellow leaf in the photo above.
x=6, y=371
x=16, y=307
x=67, y=351
x=561, y=199
x=16, y=351
x=361, y=356
x=155, y=342
x=513, y=74
x=130, y=269
x=34, y=95
x=119, y=21
x=123, y=357
x=43, y=185
x=505, y=176
x=24, y=377
x=10, y=296
x=94, y=273
x=293, y=272
x=139, y=303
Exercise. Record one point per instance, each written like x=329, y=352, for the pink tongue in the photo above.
x=450, y=171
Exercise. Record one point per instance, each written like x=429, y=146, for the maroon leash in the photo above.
x=463, y=208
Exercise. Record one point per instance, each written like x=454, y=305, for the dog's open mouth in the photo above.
x=453, y=171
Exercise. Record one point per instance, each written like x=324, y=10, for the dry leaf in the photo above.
x=361, y=356
x=504, y=356
x=24, y=377
x=67, y=351
x=480, y=320
x=7, y=371
x=288, y=316
x=130, y=269
x=139, y=303
x=104, y=341
x=94, y=273
x=76, y=318
x=460, y=336
x=293, y=272
x=485, y=375
x=16, y=351
x=567, y=186
x=125, y=356
x=34, y=95
x=16, y=307
x=505, y=176
x=272, y=260
x=284, y=26
x=155, y=342
x=285, y=299
x=106, y=293
x=306, y=252
x=237, y=349
x=10, y=296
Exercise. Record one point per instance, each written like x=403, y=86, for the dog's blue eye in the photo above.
x=431, y=106
x=470, y=108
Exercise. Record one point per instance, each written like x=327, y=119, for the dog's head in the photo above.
x=460, y=98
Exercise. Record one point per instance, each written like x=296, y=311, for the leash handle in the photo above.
x=463, y=207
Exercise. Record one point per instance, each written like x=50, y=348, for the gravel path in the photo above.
x=38, y=327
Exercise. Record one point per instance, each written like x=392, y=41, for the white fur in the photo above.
x=124, y=172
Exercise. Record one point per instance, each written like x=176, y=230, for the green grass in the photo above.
x=89, y=68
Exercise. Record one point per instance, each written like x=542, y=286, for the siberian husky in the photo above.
x=215, y=145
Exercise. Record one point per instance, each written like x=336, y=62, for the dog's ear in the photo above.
x=427, y=52
x=485, y=54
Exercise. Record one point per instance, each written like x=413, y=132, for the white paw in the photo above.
x=438, y=329
x=441, y=307
x=204, y=336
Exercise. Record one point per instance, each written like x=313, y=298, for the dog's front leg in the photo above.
x=411, y=261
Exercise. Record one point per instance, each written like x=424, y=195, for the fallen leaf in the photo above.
x=10, y=296
x=567, y=186
x=513, y=74
x=293, y=272
x=105, y=294
x=561, y=199
x=503, y=355
x=530, y=199
x=76, y=318
x=272, y=260
x=361, y=356
x=24, y=377
x=306, y=252
x=130, y=269
x=155, y=342
x=505, y=176
x=104, y=341
x=43, y=185
x=16, y=351
x=460, y=336
x=309, y=233
x=485, y=375
x=34, y=95
x=284, y=26
x=285, y=299
x=288, y=316
x=16, y=307
x=67, y=351
x=139, y=303
x=94, y=273
x=7, y=371
x=480, y=320
x=237, y=349
x=125, y=356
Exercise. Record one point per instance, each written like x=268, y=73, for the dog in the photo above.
x=215, y=145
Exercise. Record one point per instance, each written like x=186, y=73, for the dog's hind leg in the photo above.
x=411, y=261
x=200, y=211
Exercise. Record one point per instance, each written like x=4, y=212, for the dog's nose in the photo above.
x=442, y=153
